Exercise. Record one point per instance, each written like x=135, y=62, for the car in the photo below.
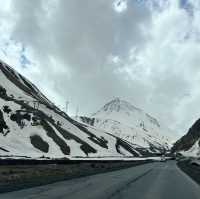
x=163, y=159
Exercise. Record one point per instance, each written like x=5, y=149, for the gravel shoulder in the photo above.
x=191, y=170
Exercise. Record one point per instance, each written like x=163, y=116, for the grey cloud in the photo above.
x=71, y=41
x=81, y=34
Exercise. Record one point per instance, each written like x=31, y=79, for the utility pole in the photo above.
x=67, y=106
x=77, y=111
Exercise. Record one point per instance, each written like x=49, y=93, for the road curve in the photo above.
x=149, y=181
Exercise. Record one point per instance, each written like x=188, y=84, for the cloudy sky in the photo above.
x=88, y=52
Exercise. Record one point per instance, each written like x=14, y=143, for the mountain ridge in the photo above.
x=31, y=126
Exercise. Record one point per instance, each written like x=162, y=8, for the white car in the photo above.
x=163, y=159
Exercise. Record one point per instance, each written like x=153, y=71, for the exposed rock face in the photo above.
x=188, y=140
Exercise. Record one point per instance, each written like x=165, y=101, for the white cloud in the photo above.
x=120, y=5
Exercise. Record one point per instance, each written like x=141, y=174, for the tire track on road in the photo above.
x=123, y=187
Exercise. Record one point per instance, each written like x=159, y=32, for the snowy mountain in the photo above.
x=31, y=126
x=130, y=123
x=189, y=144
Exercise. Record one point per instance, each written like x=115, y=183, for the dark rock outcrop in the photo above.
x=188, y=140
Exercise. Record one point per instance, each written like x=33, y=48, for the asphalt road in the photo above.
x=149, y=181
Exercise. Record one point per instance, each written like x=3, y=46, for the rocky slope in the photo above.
x=189, y=144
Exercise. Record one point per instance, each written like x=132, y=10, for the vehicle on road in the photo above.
x=163, y=158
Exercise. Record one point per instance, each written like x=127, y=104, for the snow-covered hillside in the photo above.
x=124, y=120
x=31, y=126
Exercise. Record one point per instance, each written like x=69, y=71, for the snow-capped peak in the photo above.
x=118, y=105
x=123, y=111
x=120, y=118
